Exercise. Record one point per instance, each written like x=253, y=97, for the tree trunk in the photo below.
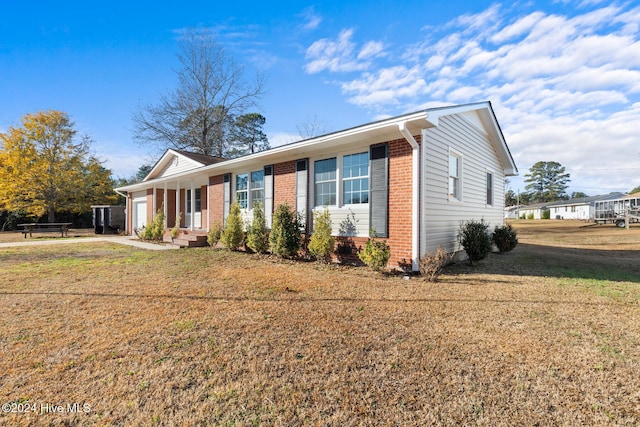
x=51, y=214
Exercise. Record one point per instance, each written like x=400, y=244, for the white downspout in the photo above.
x=415, y=195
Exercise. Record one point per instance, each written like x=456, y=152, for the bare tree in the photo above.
x=198, y=116
x=311, y=128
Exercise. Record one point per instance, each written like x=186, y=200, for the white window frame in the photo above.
x=197, y=202
x=339, y=179
x=335, y=180
x=245, y=190
x=252, y=199
x=490, y=187
x=455, y=187
x=354, y=178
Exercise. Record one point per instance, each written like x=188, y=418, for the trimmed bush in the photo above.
x=322, y=243
x=530, y=216
x=232, y=234
x=215, y=233
x=155, y=230
x=546, y=214
x=175, y=231
x=285, y=237
x=505, y=238
x=376, y=253
x=475, y=239
x=257, y=232
x=432, y=264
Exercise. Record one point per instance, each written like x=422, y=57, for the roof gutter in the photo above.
x=415, y=194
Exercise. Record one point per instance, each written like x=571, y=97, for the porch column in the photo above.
x=193, y=206
x=164, y=209
x=177, y=202
x=155, y=202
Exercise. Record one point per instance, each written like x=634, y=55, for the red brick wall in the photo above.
x=284, y=184
x=400, y=201
x=216, y=198
x=171, y=208
x=204, y=206
x=149, y=206
x=159, y=199
x=284, y=190
x=400, y=198
x=129, y=229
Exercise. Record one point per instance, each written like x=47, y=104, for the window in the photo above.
x=198, y=201
x=455, y=163
x=325, y=182
x=489, y=188
x=257, y=187
x=355, y=181
x=241, y=190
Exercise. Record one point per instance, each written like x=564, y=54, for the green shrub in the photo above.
x=257, y=232
x=285, y=237
x=214, y=234
x=474, y=238
x=155, y=230
x=376, y=253
x=232, y=234
x=322, y=243
x=530, y=216
x=546, y=214
x=505, y=238
x=175, y=231
x=345, y=246
x=432, y=264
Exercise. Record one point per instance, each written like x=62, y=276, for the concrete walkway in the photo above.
x=123, y=240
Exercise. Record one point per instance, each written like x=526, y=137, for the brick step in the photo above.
x=190, y=243
x=187, y=240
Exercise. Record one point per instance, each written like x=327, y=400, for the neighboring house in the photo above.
x=582, y=208
x=612, y=209
x=512, y=212
x=533, y=211
x=412, y=178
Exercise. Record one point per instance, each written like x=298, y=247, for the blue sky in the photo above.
x=563, y=76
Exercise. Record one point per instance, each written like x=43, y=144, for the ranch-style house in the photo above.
x=412, y=178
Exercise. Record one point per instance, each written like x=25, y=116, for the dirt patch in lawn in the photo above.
x=198, y=337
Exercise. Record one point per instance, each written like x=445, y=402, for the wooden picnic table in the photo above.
x=45, y=227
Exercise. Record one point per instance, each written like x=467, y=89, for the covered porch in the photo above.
x=178, y=197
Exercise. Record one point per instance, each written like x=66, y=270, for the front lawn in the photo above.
x=548, y=334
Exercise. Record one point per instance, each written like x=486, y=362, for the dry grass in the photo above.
x=548, y=334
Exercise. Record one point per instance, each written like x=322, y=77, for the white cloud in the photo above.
x=311, y=18
x=566, y=87
x=520, y=27
x=341, y=55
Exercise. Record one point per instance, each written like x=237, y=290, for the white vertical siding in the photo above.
x=441, y=217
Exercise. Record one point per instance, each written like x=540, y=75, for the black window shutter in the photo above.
x=379, y=189
x=226, y=196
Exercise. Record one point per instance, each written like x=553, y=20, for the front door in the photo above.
x=196, y=215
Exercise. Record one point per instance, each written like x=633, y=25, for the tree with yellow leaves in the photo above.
x=44, y=170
